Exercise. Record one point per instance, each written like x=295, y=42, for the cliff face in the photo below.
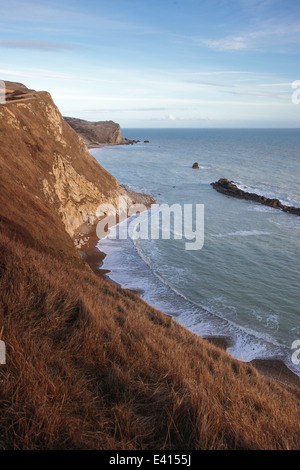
x=50, y=184
x=95, y=134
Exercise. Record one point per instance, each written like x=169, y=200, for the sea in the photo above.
x=243, y=284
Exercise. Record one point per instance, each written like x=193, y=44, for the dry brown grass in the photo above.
x=91, y=366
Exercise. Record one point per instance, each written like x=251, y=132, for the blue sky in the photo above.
x=166, y=63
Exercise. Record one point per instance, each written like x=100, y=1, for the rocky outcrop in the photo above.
x=97, y=134
x=230, y=189
x=50, y=183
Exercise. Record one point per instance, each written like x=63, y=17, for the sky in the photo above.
x=159, y=63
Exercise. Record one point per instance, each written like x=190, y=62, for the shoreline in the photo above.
x=274, y=369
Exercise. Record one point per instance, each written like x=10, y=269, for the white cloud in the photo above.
x=221, y=72
x=260, y=94
x=227, y=44
x=275, y=84
x=121, y=110
x=40, y=45
x=170, y=117
x=58, y=17
x=38, y=73
x=268, y=33
x=209, y=83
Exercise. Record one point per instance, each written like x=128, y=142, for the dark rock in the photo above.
x=230, y=189
x=146, y=142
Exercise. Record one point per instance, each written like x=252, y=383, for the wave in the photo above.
x=261, y=208
x=242, y=233
x=204, y=167
x=287, y=201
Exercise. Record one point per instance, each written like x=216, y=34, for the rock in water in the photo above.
x=230, y=189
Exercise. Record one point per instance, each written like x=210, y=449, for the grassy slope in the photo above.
x=92, y=366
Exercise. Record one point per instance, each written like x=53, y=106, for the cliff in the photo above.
x=47, y=174
x=96, y=134
x=90, y=365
